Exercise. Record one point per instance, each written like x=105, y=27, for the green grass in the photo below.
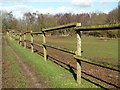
x=93, y=48
x=54, y=75
x=13, y=78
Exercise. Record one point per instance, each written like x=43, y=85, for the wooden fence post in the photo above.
x=44, y=47
x=24, y=40
x=20, y=39
x=10, y=36
x=16, y=37
x=32, y=49
x=78, y=53
x=7, y=33
x=13, y=36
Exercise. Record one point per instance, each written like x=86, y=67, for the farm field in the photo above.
x=46, y=74
x=98, y=49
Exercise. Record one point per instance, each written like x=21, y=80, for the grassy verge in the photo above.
x=12, y=76
x=54, y=75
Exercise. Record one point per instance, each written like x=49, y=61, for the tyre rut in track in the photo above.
x=34, y=81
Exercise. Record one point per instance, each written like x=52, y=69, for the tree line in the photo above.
x=36, y=21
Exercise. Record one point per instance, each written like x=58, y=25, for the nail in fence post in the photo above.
x=24, y=40
x=44, y=47
x=32, y=49
x=78, y=53
x=20, y=39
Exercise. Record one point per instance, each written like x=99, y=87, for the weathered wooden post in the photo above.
x=20, y=39
x=32, y=49
x=10, y=36
x=44, y=47
x=78, y=53
x=13, y=35
x=7, y=33
x=24, y=40
x=16, y=37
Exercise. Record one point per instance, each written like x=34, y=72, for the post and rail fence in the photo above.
x=78, y=28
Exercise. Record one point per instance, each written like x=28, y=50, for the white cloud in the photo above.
x=88, y=3
x=34, y=0
x=18, y=10
x=52, y=10
x=63, y=9
x=82, y=3
x=11, y=0
x=108, y=1
x=21, y=8
x=71, y=1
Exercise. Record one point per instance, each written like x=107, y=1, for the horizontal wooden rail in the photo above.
x=37, y=32
x=26, y=32
x=61, y=49
x=99, y=27
x=98, y=64
x=79, y=28
x=17, y=33
x=60, y=27
x=37, y=44
x=28, y=41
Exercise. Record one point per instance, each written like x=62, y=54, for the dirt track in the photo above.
x=34, y=80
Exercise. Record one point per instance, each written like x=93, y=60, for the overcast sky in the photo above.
x=57, y=6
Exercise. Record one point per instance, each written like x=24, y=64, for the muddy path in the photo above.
x=34, y=80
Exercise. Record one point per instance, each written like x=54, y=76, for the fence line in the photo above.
x=99, y=27
x=59, y=48
x=78, y=28
x=98, y=64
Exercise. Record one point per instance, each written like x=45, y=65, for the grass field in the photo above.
x=54, y=75
x=93, y=47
